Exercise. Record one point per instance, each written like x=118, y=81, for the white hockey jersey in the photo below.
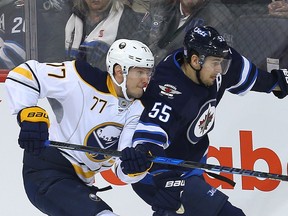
x=87, y=110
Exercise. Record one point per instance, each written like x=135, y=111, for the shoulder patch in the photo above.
x=169, y=90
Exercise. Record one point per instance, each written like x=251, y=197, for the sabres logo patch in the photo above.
x=105, y=136
x=169, y=90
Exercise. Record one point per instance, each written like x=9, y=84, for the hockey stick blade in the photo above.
x=171, y=161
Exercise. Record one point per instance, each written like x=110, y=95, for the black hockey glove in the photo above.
x=169, y=190
x=34, y=123
x=135, y=160
x=282, y=77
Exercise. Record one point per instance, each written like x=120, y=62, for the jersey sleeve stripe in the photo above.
x=242, y=90
x=23, y=72
x=152, y=133
x=244, y=73
x=15, y=80
x=24, y=75
x=248, y=77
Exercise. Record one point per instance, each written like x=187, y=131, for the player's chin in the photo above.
x=137, y=94
x=211, y=81
x=208, y=83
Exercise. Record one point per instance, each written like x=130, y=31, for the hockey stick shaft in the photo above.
x=171, y=161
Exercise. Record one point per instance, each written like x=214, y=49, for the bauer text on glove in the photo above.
x=169, y=189
x=34, y=123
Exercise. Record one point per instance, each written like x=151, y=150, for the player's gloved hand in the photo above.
x=135, y=160
x=169, y=190
x=34, y=123
x=282, y=77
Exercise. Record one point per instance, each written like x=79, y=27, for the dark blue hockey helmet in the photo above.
x=205, y=41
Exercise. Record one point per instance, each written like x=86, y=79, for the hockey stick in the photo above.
x=171, y=161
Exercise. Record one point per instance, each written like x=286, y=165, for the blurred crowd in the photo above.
x=85, y=29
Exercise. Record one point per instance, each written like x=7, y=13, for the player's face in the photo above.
x=97, y=5
x=137, y=81
x=210, y=69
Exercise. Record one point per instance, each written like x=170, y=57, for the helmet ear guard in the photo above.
x=202, y=59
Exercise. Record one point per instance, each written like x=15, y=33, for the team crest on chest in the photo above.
x=169, y=90
x=203, y=123
x=105, y=136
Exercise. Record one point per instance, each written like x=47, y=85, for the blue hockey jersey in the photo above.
x=179, y=113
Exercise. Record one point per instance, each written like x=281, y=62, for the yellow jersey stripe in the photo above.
x=81, y=172
x=23, y=72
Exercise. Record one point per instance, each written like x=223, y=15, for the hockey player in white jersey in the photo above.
x=92, y=107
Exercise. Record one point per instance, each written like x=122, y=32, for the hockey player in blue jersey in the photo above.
x=180, y=103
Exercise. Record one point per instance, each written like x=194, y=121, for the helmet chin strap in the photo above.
x=122, y=86
x=124, y=89
x=198, y=74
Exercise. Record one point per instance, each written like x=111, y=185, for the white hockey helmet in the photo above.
x=127, y=54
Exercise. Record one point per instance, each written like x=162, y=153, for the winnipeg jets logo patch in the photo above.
x=169, y=90
x=203, y=123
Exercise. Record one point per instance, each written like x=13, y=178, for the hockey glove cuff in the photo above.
x=34, y=123
x=282, y=77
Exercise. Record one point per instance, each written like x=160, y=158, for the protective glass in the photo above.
x=140, y=72
x=220, y=65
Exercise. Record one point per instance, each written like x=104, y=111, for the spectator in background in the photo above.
x=52, y=16
x=278, y=8
x=257, y=23
x=94, y=26
x=169, y=20
x=141, y=6
x=4, y=2
x=12, y=33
